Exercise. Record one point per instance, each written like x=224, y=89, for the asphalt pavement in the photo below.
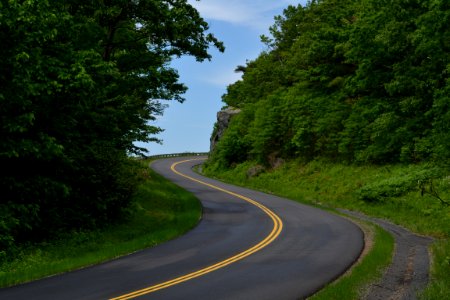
x=272, y=249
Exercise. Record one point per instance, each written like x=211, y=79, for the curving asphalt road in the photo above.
x=250, y=252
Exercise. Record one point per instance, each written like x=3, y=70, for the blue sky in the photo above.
x=239, y=24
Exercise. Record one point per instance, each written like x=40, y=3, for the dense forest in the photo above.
x=79, y=83
x=355, y=81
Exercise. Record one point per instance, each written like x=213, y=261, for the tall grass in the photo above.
x=162, y=211
x=439, y=287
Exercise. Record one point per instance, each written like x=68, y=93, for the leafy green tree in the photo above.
x=80, y=82
x=432, y=61
x=360, y=81
x=234, y=147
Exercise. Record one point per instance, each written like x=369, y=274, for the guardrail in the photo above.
x=178, y=154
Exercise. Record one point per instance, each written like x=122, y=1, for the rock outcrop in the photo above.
x=223, y=120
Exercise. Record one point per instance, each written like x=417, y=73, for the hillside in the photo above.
x=348, y=107
x=356, y=81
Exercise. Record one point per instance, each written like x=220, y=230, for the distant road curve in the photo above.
x=248, y=245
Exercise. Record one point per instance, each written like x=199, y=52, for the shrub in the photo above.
x=395, y=186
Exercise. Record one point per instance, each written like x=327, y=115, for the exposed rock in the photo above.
x=255, y=171
x=275, y=161
x=223, y=120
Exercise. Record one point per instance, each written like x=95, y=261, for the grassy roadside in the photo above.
x=163, y=211
x=389, y=192
x=352, y=285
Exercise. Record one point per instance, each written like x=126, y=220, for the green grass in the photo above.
x=440, y=272
x=333, y=185
x=163, y=211
x=353, y=285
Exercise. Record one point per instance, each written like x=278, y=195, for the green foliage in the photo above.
x=236, y=146
x=343, y=88
x=439, y=287
x=79, y=84
x=396, y=186
x=161, y=212
x=358, y=81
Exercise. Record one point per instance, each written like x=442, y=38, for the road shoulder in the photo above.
x=408, y=273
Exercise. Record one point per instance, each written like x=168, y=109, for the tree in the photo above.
x=80, y=82
x=360, y=81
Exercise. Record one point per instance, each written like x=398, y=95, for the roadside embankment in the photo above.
x=404, y=195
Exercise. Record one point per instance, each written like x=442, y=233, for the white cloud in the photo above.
x=257, y=14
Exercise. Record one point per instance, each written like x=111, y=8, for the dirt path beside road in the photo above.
x=409, y=271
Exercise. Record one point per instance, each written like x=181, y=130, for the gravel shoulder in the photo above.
x=409, y=271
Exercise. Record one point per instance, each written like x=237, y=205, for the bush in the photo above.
x=396, y=186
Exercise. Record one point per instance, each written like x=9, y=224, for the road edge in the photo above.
x=408, y=273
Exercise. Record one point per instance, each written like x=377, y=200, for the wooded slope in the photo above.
x=363, y=81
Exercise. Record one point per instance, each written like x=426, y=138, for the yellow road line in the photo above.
x=276, y=230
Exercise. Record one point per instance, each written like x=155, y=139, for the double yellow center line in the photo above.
x=276, y=230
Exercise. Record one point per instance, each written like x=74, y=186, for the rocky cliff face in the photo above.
x=223, y=119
